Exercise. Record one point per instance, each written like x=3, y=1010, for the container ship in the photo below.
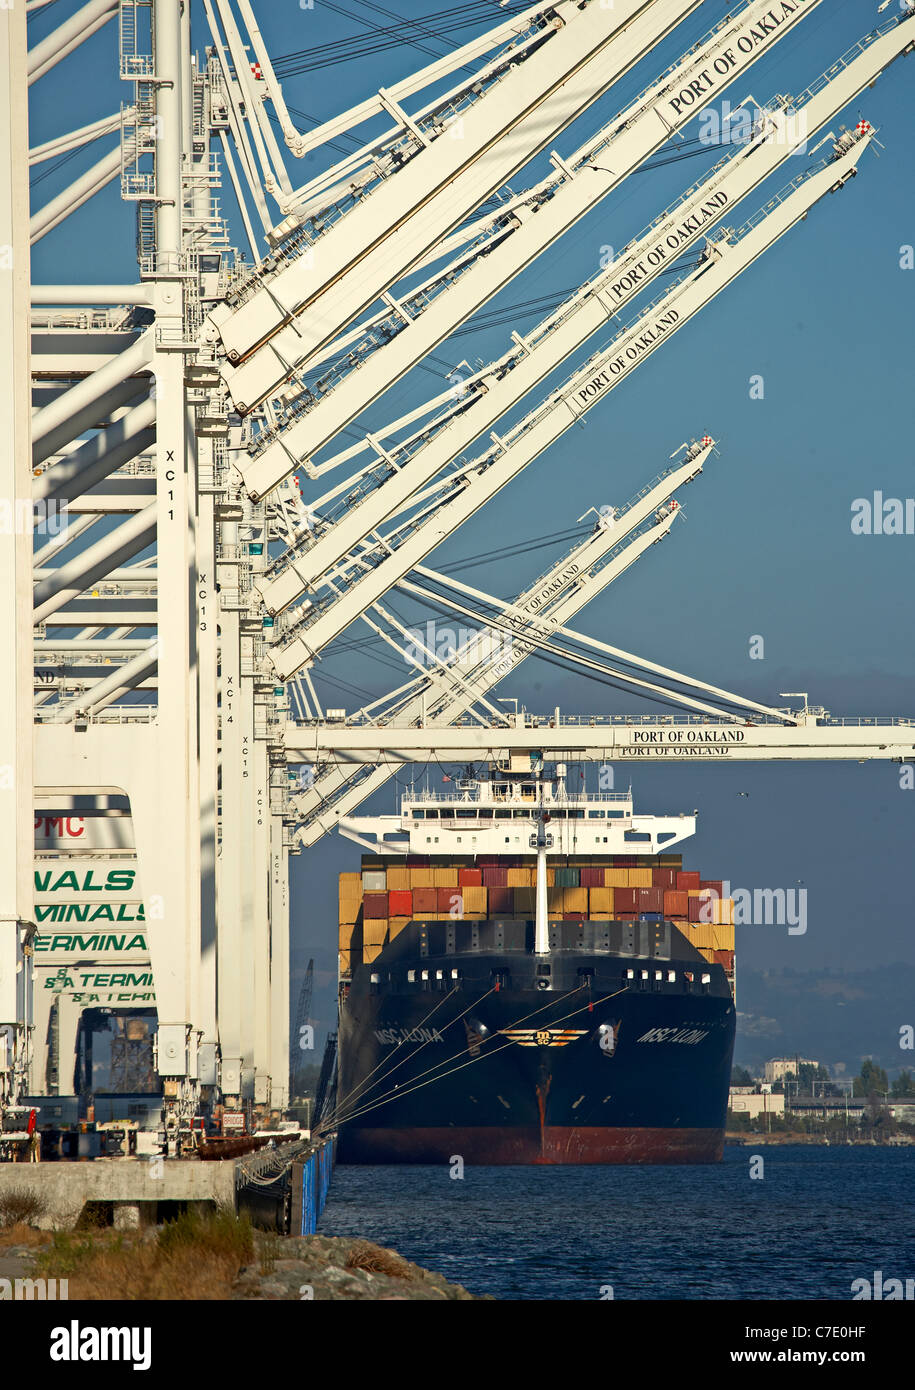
x=529, y=975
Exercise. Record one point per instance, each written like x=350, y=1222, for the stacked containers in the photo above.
x=376, y=904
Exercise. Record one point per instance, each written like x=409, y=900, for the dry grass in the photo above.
x=21, y=1206
x=21, y=1234
x=192, y=1258
x=377, y=1260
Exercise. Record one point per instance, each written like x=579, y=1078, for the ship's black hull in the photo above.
x=598, y=1067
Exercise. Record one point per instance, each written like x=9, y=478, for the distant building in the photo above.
x=748, y=1104
x=779, y=1067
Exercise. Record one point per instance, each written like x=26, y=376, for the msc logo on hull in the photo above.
x=543, y=1037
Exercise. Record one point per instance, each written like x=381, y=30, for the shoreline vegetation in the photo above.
x=216, y=1255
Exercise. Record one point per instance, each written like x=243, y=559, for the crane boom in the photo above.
x=494, y=389
x=552, y=600
x=590, y=383
x=392, y=240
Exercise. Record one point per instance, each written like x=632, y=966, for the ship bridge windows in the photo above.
x=521, y=815
x=503, y=815
x=596, y=815
x=636, y=835
x=666, y=835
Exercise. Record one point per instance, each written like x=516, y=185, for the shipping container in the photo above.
x=573, y=916
x=524, y=903
x=495, y=876
x=501, y=901
x=374, y=931
x=400, y=902
x=445, y=876
x=447, y=898
x=676, y=904
x=715, y=884
x=520, y=878
x=664, y=878
x=396, y=925
x=592, y=877
x=650, y=900
x=399, y=878
x=374, y=880
x=567, y=876
x=639, y=878
x=600, y=902
x=470, y=878
x=626, y=901
x=375, y=905
x=425, y=900
x=687, y=878
x=475, y=899
x=616, y=878
x=421, y=878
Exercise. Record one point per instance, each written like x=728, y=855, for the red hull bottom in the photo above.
x=552, y=1144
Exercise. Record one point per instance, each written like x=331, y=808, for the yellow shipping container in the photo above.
x=520, y=878
x=550, y=878
x=562, y=900
x=445, y=876
x=398, y=878
x=723, y=914
x=370, y=953
x=600, y=903
x=638, y=878
x=475, y=899
x=345, y=935
x=420, y=877
x=397, y=924
x=374, y=932
x=616, y=878
x=702, y=935
x=343, y=967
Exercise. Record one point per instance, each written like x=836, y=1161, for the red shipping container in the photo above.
x=676, y=904
x=573, y=916
x=695, y=909
x=495, y=876
x=470, y=878
x=488, y=861
x=664, y=878
x=425, y=900
x=444, y=898
x=715, y=884
x=375, y=905
x=591, y=877
x=400, y=902
x=687, y=878
x=625, y=901
x=650, y=899
x=501, y=901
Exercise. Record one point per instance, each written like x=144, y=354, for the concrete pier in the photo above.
x=133, y=1189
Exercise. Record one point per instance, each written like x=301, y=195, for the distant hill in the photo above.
x=836, y=1018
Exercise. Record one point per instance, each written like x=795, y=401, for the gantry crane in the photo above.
x=170, y=416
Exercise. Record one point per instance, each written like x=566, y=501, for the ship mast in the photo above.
x=541, y=840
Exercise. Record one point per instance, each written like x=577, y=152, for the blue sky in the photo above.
x=766, y=547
